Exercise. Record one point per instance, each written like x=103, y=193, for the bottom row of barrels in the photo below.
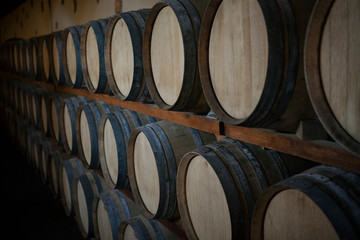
x=222, y=189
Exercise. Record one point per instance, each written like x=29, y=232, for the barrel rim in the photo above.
x=314, y=80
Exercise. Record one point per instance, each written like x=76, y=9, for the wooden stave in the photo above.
x=313, y=184
x=99, y=26
x=94, y=185
x=75, y=32
x=34, y=67
x=273, y=107
x=135, y=21
x=238, y=164
x=57, y=36
x=167, y=161
x=119, y=208
x=123, y=122
x=73, y=168
x=189, y=100
x=72, y=103
x=314, y=82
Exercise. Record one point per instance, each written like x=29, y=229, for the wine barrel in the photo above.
x=37, y=145
x=68, y=108
x=123, y=56
x=170, y=56
x=56, y=65
x=92, y=55
x=109, y=210
x=44, y=57
x=68, y=173
x=332, y=57
x=33, y=58
x=219, y=184
x=140, y=227
x=154, y=152
x=87, y=186
x=56, y=159
x=44, y=110
x=320, y=203
x=71, y=56
x=48, y=146
x=87, y=120
x=252, y=74
x=113, y=135
x=55, y=101
x=36, y=109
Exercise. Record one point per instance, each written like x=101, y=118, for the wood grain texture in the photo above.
x=56, y=58
x=167, y=55
x=238, y=55
x=85, y=137
x=111, y=152
x=92, y=57
x=332, y=42
x=122, y=57
x=45, y=59
x=71, y=57
x=146, y=173
x=204, y=191
x=340, y=58
x=292, y=214
x=103, y=221
x=68, y=128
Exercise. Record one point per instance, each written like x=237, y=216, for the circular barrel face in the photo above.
x=238, y=56
x=339, y=59
x=292, y=214
x=85, y=137
x=92, y=57
x=167, y=55
x=82, y=205
x=56, y=59
x=103, y=221
x=66, y=188
x=146, y=173
x=44, y=113
x=110, y=150
x=68, y=128
x=71, y=57
x=34, y=54
x=122, y=57
x=206, y=201
x=55, y=121
x=46, y=64
x=129, y=233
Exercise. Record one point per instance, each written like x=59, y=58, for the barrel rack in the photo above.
x=320, y=151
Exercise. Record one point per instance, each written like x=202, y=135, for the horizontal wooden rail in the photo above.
x=324, y=152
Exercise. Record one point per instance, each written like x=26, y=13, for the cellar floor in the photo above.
x=29, y=210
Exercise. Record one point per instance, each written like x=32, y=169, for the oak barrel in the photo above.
x=154, y=152
x=219, y=184
x=113, y=135
x=87, y=120
x=170, y=56
x=92, y=55
x=140, y=227
x=68, y=108
x=332, y=58
x=110, y=209
x=123, y=56
x=71, y=56
x=86, y=187
x=320, y=203
x=56, y=65
x=250, y=61
x=68, y=173
x=44, y=57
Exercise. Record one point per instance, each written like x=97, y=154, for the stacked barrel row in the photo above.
x=252, y=63
x=218, y=188
x=42, y=124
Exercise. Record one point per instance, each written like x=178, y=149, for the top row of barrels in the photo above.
x=253, y=63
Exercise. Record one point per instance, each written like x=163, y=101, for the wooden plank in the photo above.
x=323, y=152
